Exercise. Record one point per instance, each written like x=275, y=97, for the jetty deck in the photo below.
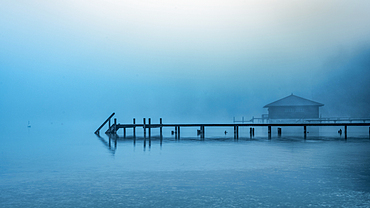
x=148, y=126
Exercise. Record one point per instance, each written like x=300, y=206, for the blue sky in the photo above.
x=190, y=61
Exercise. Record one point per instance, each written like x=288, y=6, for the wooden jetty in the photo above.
x=148, y=126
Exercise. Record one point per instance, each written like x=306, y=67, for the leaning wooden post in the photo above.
x=134, y=128
x=269, y=131
x=345, y=132
x=305, y=131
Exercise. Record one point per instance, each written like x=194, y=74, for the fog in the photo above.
x=195, y=61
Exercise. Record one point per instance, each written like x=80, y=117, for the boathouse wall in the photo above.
x=293, y=112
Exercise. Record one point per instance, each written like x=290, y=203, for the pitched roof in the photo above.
x=293, y=100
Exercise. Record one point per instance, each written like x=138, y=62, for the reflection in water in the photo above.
x=71, y=170
x=109, y=143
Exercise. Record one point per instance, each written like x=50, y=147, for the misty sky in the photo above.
x=185, y=61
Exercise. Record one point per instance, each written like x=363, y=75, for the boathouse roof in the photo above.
x=293, y=100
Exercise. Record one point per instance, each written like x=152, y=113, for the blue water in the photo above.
x=71, y=167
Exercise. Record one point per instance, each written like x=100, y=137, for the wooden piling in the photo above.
x=202, y=132
x=150, y=129
x=160, y=128
x=279, y=132
x=178, y=132
x=134, y=128
x=144, y=126
x=305, y=131
x=250, y=132
x=236, y=132
x=345, y=132
x=269, y=131
x=124, y=132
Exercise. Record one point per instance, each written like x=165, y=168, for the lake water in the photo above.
x=62, y=166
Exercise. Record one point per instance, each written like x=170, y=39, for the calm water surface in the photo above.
x=65, y=168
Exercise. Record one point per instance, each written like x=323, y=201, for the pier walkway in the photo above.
x=148, y=126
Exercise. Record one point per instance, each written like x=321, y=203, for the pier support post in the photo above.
x=144, y=126
x=134, y=128
x=250, y=132
x=236, y=132
x=178, y=132
x=279, y=132
x=160, y=129
x=345, y=132
x=124, y=132
x=202, y=132
x=115, y=125
x=150, y=128
x=305, y=131
x=269, y=132
x=369, y=132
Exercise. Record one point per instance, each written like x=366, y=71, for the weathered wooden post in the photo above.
x=201, y=132
x=279, y=132
x=269, y=131
x=134, y=128
x=160, y=128
x=305, y=131
x=345, y=132
x=250, y=132
x=253, y=132
x=369, y=132
x=150, y=129
x=178, y=132
x=144, y=126
x=124, y=132
x=237, y=131
x=234, y=131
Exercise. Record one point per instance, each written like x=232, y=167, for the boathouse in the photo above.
x=293, y=107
